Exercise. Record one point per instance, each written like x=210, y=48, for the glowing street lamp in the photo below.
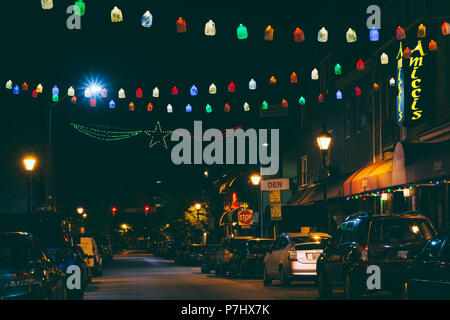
x=256, y=179
x=324, y=142
x=29, y=163
x=198, y=206
x=80, y=210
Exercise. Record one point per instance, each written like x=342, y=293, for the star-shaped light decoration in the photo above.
x=158, y=136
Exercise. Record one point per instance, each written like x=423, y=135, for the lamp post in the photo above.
x=29, y=163
x=256, y=181
x=198, y=206
x=324, y=142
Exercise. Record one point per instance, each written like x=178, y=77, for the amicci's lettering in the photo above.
x=416, y=63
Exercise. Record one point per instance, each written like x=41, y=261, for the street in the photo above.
x=136, y=275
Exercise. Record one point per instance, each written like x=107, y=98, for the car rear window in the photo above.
x=306, y=239
x=309, y=246
x=12, y=252
x=390, y=231
x=261, y=246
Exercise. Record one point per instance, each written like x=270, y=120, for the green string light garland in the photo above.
x=106, y=135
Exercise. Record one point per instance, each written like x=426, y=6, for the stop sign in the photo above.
x=245, y=217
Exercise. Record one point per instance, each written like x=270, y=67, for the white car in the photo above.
x=293, y=255
x=90, y=249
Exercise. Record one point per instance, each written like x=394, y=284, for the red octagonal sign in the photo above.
x=245, y=217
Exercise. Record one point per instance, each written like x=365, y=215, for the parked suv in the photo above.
x=293, y=256
x=228, y=249
x=249, y=257
x=362, y=240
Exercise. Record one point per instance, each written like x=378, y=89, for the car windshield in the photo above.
x=261, y=246
x=12, y=252
x=389, y=231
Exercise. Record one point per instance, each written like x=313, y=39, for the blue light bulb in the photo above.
x=112, y=104
x=188, y=108
x=194, y=91
x=16, y=90
x=374, y=34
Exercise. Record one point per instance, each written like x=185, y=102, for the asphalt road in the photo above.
x=134, y=275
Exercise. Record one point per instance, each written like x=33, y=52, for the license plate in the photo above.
x=312, y=256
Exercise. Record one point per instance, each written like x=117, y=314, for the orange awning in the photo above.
x=372, y=177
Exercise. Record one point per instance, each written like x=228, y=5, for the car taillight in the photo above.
x=364, y=253
x=292, y=255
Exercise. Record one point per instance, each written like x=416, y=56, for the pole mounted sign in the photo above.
x=275, y=184
x=245, y=218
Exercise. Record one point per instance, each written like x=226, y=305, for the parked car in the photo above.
x=191, y=254
x=209, y=258
x=168, y=250
x=249, y=257
x=54, y=235
x=26, y=270
x=82, y=261
x=363, y=240
x=90, y=249
x=428, y=276
x=105, y=249
x=293, y=256
x=228, y=248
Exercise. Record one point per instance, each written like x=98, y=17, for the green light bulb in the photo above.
x=242, y=32
x=265, y=105
x=208, y=108
x=302, y=101
x=338, y=69
x=82, y=6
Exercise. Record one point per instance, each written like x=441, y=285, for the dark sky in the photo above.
x=38, y=48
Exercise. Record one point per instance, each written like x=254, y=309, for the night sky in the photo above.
x=38, y=48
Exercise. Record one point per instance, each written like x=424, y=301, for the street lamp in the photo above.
x=324, y=142
x=198, y=206
x=256, y=180
x=80, y=210
x=29, y=163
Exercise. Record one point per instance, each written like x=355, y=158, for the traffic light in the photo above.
x=114, y=210
x=147, y=209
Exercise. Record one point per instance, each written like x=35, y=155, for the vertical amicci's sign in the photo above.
x=401, y=88
x=416, y=93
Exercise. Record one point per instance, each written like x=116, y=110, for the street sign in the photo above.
x=275, y=205
x=245, y=218
x=275, y=184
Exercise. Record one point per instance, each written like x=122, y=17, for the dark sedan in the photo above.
x=26, y=271
x=429, y=275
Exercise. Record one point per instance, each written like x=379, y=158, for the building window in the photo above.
x=304, y=170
